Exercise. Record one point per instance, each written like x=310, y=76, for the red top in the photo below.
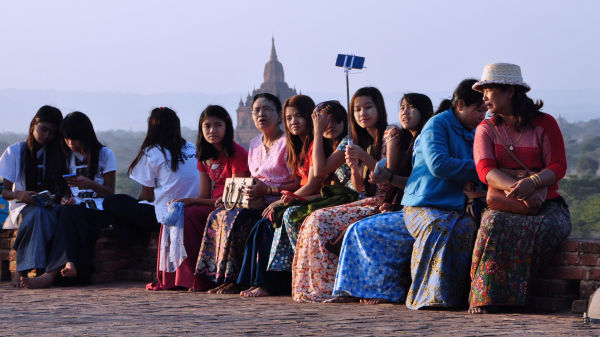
x=219, y=170
x=538, y=148
x=303, y=169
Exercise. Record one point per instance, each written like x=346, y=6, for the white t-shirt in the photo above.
x=77, y=164
x=10, y=169
x=154, y=170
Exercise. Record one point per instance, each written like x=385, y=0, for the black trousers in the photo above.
x=132, y=221
x=75, y=241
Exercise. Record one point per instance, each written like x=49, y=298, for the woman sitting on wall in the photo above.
x=434, y=202
x=510, y=246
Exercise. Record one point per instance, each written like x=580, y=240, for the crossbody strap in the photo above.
x=506, y=147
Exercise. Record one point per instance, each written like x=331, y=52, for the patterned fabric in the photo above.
x=343, y=173
x=284, y=243
x=510, y=248
x=222, y=248
x=314, y=267
x=375, y=258
x=286, y=236
x=440, y=257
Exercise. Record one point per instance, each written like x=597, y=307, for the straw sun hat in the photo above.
x=501, y=73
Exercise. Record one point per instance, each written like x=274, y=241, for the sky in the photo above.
x=220, y=47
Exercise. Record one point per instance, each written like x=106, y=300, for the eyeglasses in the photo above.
x=264, y=108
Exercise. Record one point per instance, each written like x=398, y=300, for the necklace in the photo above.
x=510, y=141
x=268, y=145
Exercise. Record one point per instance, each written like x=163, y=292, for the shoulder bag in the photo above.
x=234, y=197
x=497, y=199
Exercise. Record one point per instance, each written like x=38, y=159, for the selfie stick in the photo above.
x=349, y=62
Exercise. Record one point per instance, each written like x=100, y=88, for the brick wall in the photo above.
x=573, y=274
x=114, y=260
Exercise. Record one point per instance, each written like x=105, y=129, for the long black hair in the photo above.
x=55, y=159
x=339, y=114
x=164, y=132
x=403, y=159
x=77, y=126
x=297, y=147
x=204, y=149
x=359, y=135
x=464, y=91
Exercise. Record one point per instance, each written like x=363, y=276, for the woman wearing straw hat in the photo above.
x=510, y=246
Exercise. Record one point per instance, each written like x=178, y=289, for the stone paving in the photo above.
x=127, y=309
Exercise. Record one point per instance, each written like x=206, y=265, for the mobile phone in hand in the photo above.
x=43, y=197
x=290, y=194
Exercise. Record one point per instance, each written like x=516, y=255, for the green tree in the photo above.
x=587, y=166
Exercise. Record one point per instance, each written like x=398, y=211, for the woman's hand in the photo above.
x=255, y=191
x=219, y=203
x=320, y=122
x=287, y=199
x=385, y=207
x=186, y=201
x=356, y=152
x=382, y=177
x=25, y=197
x=534, y=200
x=68, y=201
x=521, y=189
x=268, y=212
x=81, y=182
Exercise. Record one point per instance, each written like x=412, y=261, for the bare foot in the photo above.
x=478, y=310
x=216, y=289
x=23, y=282
x=374, y=301
x=69, y=270
x=245, y=293
x=44, y=281
x=257, y=292
x=341, y=299
x=229, y=288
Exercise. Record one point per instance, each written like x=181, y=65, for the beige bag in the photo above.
x=233, y=196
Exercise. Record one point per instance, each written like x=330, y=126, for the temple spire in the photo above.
x=273, y=52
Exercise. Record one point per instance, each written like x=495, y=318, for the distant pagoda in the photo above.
x=274, y=83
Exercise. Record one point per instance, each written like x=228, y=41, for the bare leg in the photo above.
x=69, y=270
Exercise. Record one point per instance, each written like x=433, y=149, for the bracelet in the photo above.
x=537, y=181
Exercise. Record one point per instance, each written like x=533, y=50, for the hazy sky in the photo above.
x=221, y=46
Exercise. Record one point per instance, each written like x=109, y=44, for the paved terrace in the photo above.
x=125, y=308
